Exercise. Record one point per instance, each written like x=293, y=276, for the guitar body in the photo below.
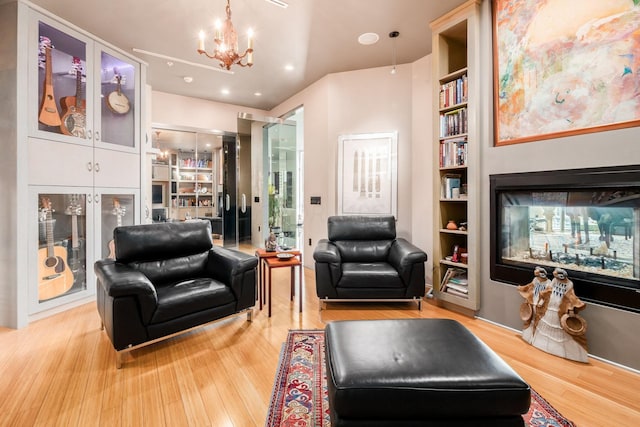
x=118, y=103
x=74, y=108
x=55, y=278
x=49, y=114
x=73, y=120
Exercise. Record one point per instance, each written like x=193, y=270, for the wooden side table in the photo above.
x=262, y=255
x=293, y=262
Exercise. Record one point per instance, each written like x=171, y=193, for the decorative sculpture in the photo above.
x=551, y=322
x=270, y=244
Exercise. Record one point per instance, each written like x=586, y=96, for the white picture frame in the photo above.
x=368, y=174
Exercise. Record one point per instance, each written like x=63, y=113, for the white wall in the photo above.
x=363, y=101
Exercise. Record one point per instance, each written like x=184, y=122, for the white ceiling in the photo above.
x=317, y=37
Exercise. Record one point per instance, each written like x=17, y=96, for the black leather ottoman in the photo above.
x=418, y=372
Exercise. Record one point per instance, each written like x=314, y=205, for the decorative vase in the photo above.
x=451, y=225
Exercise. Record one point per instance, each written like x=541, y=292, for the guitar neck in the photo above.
x=49, y=227
x=75, y=244
x=79, y=94
x=47, y=66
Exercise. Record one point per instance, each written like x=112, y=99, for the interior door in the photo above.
x=230, y=191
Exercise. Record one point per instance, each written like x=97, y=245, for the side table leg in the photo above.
x=300, y=289
x=269, y=291
x=293, y=281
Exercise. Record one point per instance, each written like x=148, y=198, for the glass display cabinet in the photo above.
x=61, y=245
x=86, y=93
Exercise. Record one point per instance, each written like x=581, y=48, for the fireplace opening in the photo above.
x=586, y=221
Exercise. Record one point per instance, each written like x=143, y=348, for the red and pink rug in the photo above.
x=300, y=391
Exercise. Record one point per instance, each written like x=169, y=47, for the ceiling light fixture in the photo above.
x=226, y=44
x=393, y=35
x=368, y=38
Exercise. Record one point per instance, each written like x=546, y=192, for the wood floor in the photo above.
x=61, y=370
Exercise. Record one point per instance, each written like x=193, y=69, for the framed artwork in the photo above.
x=368, y=174
x=563, y=67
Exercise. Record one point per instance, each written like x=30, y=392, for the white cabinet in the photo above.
x=84, y=169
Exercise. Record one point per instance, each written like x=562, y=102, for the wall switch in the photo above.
x=258, y=228
x=309, y=242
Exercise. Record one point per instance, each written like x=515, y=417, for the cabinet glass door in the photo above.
x=117, y=91
x=60, y=235
x=59, y=72
x=115, y=210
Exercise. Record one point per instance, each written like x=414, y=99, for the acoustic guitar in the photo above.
x=118, y=211
x=48, y=108
x=75, y=251
x=54, y=278
x=117, y=101
x=74, y=107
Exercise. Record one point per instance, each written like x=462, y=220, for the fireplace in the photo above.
x=586, y=221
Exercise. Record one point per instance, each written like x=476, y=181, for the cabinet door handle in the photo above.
x=89, y=200
x=227, y=201
x=244, y=203
x=96, y=198
x=89, y=166
x=97, y=136
x=89, y=134
x=97, y=167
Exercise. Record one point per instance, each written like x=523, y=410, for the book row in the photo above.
x=453, y=122
x=453, y=92
x=453, y=153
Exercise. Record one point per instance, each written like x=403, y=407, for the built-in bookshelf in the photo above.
x=455, y=142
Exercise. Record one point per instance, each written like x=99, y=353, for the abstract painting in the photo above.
x=565, y=67
x=367, y=174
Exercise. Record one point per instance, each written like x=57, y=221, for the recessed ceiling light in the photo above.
x=257, y=93
x=225, y=91
x=288, y=67
x=187, y=79
x=170, y=63
x=368, y=38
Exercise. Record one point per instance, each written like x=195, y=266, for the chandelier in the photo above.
x=226, y=44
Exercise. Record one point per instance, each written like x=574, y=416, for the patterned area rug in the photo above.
x=300, y=391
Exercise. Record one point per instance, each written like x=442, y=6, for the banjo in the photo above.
x=117, y=101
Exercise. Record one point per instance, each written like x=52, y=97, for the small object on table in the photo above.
x=284, y=255
x=270, y=244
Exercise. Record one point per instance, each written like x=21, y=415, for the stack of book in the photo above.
x=449, y=182
x=455, y=282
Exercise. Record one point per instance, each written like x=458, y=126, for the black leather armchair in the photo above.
x=168, y=278
x=364, y=260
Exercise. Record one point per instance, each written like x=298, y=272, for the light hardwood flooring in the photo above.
x=61, y=370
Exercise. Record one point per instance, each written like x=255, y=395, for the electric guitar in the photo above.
x=119, y=212
x=48, y=109
x=74, y=107
x=54, y=278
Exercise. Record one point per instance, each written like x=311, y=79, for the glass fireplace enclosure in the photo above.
x=585, y=221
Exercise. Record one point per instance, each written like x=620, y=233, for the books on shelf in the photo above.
x=449, y=183
x=453, y=153
x=453, y=122
x=455, y=282
x=454, y=92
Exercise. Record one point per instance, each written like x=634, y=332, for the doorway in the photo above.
x=283, y=179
